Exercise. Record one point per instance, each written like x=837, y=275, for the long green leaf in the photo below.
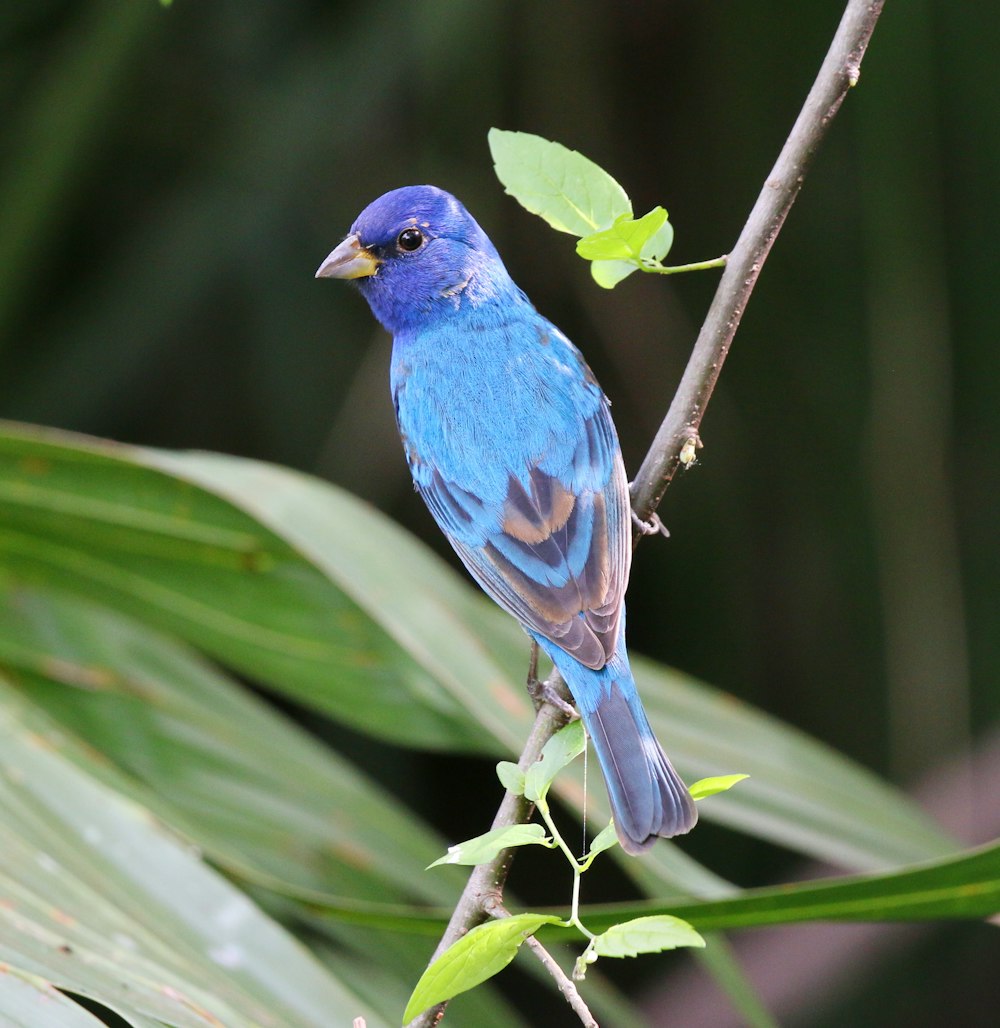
x=99, y=520
x=29, y=1001
x=801, y=793
x=100, y=899
x=257, y=792
x=963, y=886
x=314, y=593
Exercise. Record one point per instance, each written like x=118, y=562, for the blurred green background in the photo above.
x=171, y=178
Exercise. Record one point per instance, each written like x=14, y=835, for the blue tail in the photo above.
x=647, y=795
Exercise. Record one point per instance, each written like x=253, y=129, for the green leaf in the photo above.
x=101, y=899
x=483, y=952
x=646, y=935
x=106, y=522
x=194, y=737
x=565, y=746
x=801, y=793
x=511, y=777
x=962, y=886
x=290, y=822
x=659, y=243
x=483, y=848
x=604, y=840
x=625, y=239
x=29, y=1001
x=716, y=784
x=400, y=588
x=570, y=192
x=607, y=274
x=265, y=569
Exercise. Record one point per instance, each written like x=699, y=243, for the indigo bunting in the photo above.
x=510, y=442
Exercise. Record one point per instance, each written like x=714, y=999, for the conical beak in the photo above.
x=349, y=260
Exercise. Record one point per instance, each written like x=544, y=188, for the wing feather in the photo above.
x=557, y=554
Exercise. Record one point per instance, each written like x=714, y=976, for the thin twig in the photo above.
x=838, y=73
x=565, y=984
x=484, y=889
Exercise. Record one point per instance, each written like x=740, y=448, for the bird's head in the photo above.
x=416, y=251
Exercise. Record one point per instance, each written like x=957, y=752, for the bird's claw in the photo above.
x=545, y=692
x=654, y=526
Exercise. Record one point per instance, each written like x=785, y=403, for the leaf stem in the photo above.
x=656, y=268
x=579, y=866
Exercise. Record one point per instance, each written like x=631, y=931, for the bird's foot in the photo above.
x=545, y=692
x=654, y=526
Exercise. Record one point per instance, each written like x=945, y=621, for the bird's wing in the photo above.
x=557, y=553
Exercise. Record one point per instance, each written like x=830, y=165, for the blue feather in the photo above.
x=510, y=442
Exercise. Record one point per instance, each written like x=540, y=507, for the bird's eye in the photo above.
x=410, y=239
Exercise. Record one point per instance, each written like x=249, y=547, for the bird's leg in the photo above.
x=532, y=681
x=543, y=692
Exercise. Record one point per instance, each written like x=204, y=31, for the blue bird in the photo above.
x=510, y=443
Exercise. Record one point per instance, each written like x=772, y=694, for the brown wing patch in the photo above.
x=545, y=520
x=533, y=518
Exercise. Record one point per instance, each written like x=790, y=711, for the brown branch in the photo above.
x=484, y=890
x=565, y=984
x=838, y=73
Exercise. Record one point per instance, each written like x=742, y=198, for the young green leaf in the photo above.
x=607, y=274
x=608, y=271
x=570, y=192
x=511, y=777
x=484, y=848
x=566, y=745
x=604, y=840
x=481, y=953
x=710, y=786
x=646, y=935
x=625, y=239
x=657, y=246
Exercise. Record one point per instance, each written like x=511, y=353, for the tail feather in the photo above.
x=647, y=795
x=648, y=798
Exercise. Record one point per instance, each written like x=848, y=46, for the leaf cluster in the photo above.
x=575, y=195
